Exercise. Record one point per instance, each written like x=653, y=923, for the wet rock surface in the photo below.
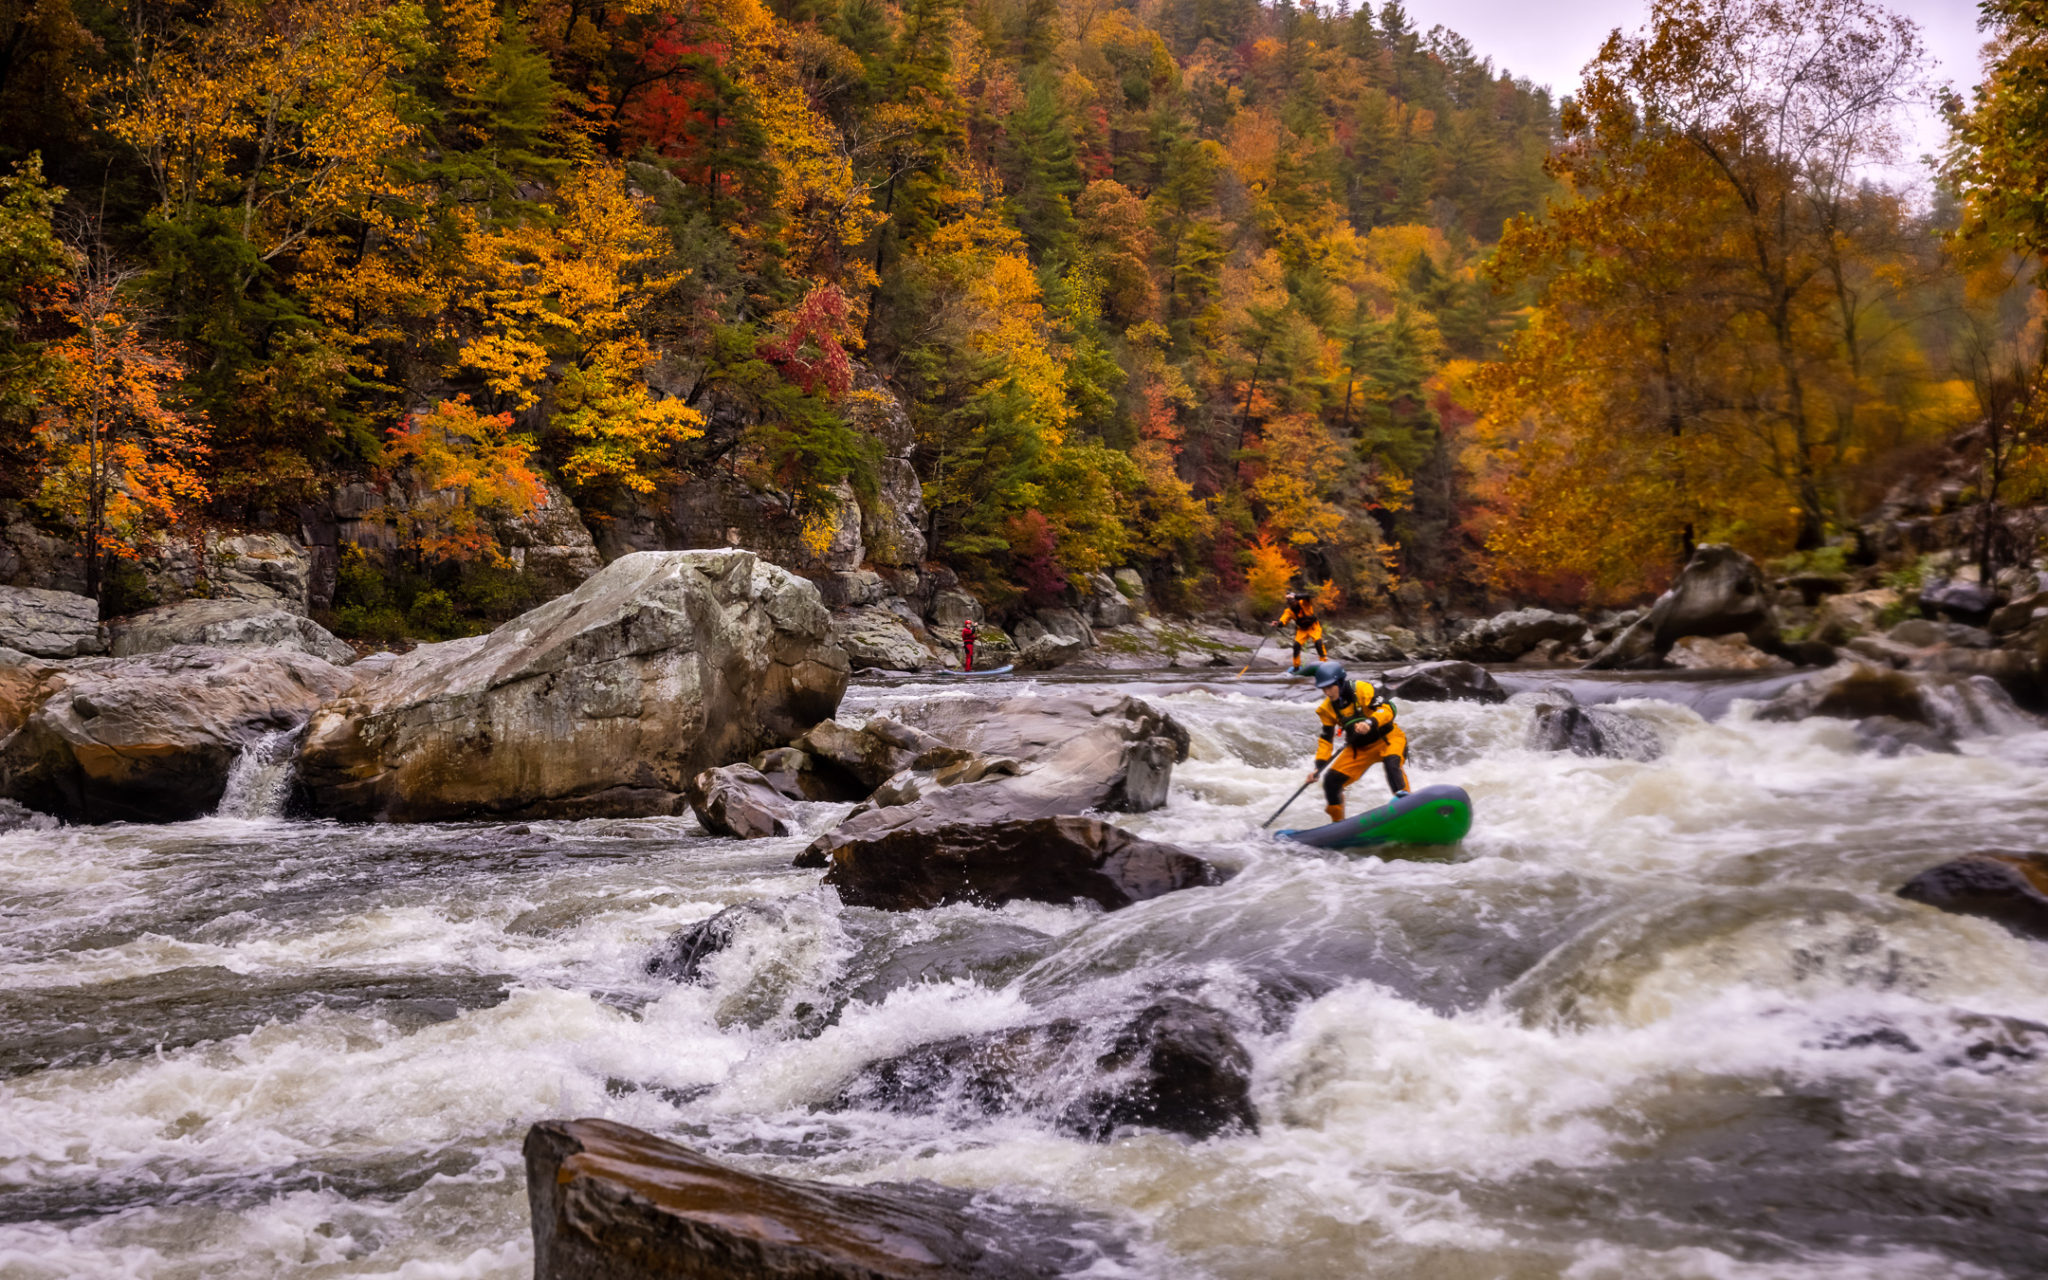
x=1071, y=754
x=150, y=738
x=224, y=624
x=2009, y=888
x=737, y=800
x=1852, y=693
x=1448, y=681
x=50, y=624
x=1058, y=860
x=615, y=1202
x=1562, y=725
x=603, y=702
x=1508, y=636
x=1175, y=1065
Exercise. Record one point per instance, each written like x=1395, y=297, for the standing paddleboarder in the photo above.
x=967, y=634
x=1370, y=736
x=1308, y=629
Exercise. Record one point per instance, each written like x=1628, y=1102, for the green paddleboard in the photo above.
x=1433, y=815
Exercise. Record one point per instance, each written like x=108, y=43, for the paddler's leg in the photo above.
x=1322, y=650
x=1341, y=773
x=1295, y=670
x=1397, y=776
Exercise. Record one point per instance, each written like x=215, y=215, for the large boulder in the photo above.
x=1852, y=692
x=150, y=738
x=602, y=702
x=1176, y=1066
x=874, y=638
x=610, y=1202
x=1046, y=652
x=2007, y=887
x=1058, y=860
x=1507, y=636
x=1563, y=725
x=1105, y=605
x=50, y=624
x=1447, y=681
x=1964, y=601
x=736, y=800
x=224, y=624
x=1072, y=754
x=1719, y=591
x=874, y=752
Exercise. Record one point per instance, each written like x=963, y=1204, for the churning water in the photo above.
x=1656, y=1019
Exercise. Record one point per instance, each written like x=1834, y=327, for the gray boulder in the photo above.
x=224, y=624
x=1963, y=601
x=609, y=1202
x=1507, y=636
x=875, y=638
x=1840, y=619
x=878, y=750
x=1593, y=731
x=1057, y=860
x=1723, y=653
x=150, y=738
x=1447, y=681
x=735, y=800
x=2010, y=888
x=1072, y=754
x=951, y=607
x=602, y=702
x=1853, y=692
x=50, y=624
x=1105, y=605
x=1045, y=651
x=1719, y=591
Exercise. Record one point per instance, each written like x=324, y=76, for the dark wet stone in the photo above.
x=1058, y=860
x=683, y=955
x=1964, y=601
x=1175, y=1065
x=1442, y=682
x=1852, y=693
x=2009, y=888
x=1590, y=731
x=1891, y=736
x=613, y=1202
x=984, y=950
x=736, y=800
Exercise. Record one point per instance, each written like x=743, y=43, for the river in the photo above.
x=1655, y=1019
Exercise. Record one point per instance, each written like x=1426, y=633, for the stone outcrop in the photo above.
x=794, y=774
x=605, y=701
x=1447, y=681
x=1105, y=604
x=1176, y=1066
x=2010, y=888
x=224, y=624
x=874, y=752
x=1058, y=860
x=1072, y=754
x=271, y=569
x=736, y=800
x=1507, y=636
x=876, y=639
x=1719, y=591
x=610, y=1202
x=150, y=738
x=1840, y=618
x=1047, y=652
x=32, y=557
x=50, y=624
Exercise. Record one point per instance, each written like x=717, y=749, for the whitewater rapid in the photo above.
x=1654, y=1019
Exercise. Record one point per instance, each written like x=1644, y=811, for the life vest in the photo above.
x=1364, y=720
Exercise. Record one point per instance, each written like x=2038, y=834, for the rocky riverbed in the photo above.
x=1663, y=1014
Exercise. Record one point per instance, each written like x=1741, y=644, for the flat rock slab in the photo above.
x=225, y=624
x=50, y=624
x=1058, y=860
x=615, y=1203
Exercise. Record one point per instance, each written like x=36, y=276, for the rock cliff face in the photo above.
x=50, y=624
x=151, y=738
x=606, y=701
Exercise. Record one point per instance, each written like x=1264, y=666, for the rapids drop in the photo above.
x=1658, y=1018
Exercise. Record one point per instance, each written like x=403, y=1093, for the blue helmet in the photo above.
x=1326, y=674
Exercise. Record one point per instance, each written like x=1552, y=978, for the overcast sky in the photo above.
x=1549, y=43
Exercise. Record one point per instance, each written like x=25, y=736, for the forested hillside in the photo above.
x=1201, y=287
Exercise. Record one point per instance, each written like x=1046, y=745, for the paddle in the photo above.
x=1290, y=800
x=1254, y=658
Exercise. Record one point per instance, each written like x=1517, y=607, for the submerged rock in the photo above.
x=613, y=1202
x=50, y=624
x=1059, y=860
x=1448, y=681
x=225, y=624
x=2010, y=888
x=1176, y=1065
x=1593, y=731
x=1852, y=692
x=150, y=738
x=682, y=957
x=736, y=800
x=602, y=702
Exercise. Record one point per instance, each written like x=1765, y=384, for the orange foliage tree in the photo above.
x=473, y=469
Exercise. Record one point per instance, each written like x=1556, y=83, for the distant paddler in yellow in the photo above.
x=1308, y=629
